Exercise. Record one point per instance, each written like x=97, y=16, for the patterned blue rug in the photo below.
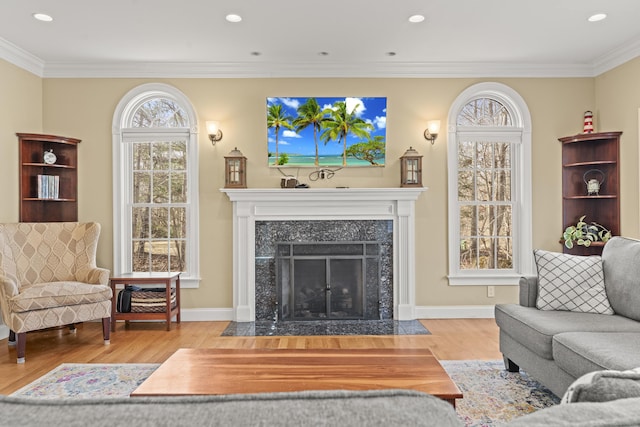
x=492, y=396
x=88, y=380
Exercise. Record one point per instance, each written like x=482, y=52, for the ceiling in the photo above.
x=332, y=38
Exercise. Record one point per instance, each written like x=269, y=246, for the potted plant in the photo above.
x=584, y=234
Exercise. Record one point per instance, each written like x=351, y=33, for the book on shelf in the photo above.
x=48, y=186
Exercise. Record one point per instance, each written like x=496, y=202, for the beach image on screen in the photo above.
x=326, y=131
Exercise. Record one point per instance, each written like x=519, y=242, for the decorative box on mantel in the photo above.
x=331, y=204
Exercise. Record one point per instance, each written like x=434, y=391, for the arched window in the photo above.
x=155, y=173
x=489, y=187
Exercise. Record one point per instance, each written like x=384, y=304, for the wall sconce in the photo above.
x=215, y=134
x=431, y=132
x=411, y=169
x=235, y=170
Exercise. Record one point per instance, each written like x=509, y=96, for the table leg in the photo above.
x=114, y=297
x=168, y=302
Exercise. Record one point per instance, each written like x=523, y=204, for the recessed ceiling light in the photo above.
x=391, y=53
x=414, y=19
x=256, y=53
x=42, y=17
x=323, y=53
x=232, y=17
x=597, y=17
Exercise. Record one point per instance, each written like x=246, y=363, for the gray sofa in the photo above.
x=557, y=347
x=384, y=408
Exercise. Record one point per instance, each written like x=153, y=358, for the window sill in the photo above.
x=189, y=282
x=484, y=280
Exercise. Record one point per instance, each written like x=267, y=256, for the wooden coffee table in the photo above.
x=202, y=371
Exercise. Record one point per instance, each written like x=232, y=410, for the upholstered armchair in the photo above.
x=49, y=278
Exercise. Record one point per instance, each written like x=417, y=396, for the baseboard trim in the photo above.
x=455, y=312
x=206, y=314
x=422, y=312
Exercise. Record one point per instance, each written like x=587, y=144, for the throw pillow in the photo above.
x=571, y=283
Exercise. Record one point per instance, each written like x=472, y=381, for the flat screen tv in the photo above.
x=326, y=131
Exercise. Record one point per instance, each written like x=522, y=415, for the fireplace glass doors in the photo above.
x=328, y=280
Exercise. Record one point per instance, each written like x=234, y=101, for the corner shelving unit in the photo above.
x=62, y=205
x=581, y=153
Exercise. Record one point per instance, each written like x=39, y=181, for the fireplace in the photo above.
x=327, y=261
x=328, y=280
x=264, y=218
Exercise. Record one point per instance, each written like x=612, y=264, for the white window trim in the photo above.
x=521, y=165
x=121, y=135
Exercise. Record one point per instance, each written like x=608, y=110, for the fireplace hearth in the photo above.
x=266, y=328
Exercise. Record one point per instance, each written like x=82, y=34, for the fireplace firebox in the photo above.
x=326, y=280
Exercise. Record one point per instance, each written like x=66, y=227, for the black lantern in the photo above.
x=411, y=169
x=235, y=170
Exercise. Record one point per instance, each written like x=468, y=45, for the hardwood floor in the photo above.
x=450, y=339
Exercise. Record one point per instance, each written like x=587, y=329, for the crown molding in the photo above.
x=617, y=57
x=35, y=65
x=21, y=58
x=311, y=70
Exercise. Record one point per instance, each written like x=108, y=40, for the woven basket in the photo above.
x=151, y=301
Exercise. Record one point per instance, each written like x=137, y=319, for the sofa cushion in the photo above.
x=535, y=328
x=621, y=262
x=58, y=294
x=571, y=282
x=578, y=353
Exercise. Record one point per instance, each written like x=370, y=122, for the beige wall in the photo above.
x=618, y=103
x=83, y=108
x=20, y=111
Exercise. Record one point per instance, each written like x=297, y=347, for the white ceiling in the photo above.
x=191, y=38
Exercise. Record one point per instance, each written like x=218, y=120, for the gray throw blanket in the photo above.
x=608, y=385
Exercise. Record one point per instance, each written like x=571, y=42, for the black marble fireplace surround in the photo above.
x=269, y=233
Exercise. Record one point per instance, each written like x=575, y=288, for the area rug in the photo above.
x=492, y=396
x=88, y=380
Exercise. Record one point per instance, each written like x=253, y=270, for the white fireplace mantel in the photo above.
x=306, y=204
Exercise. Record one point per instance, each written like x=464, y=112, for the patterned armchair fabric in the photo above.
x=48, y=277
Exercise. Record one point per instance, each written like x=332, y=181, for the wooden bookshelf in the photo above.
x=58, y=205
x=580, y=154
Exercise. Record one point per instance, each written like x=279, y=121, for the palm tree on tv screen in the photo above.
x=276, y=119
x=342, y=123
x=311, y=114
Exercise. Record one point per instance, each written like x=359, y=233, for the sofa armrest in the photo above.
x=528, y=291
x=93, y=275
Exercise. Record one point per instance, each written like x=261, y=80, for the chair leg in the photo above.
x=72, y=328
x=22, y=345
x=12, y=338
x=106, y=329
